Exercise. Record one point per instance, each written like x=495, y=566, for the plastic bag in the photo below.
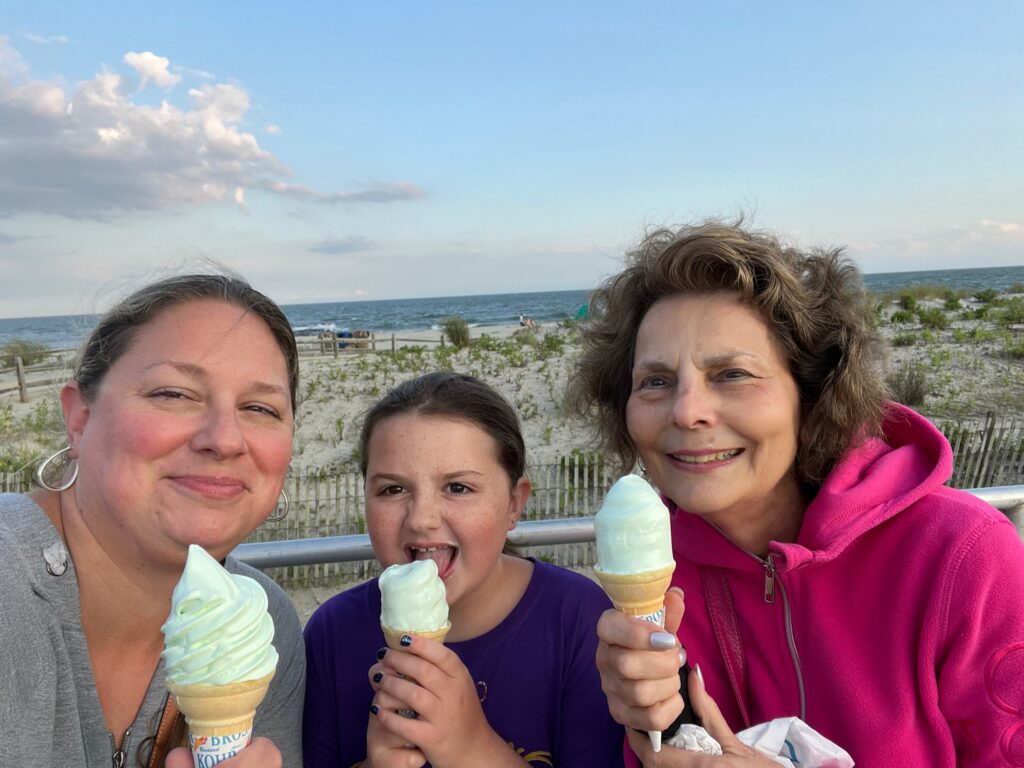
x=791, y=742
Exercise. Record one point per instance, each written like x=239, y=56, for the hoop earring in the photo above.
x=283, y=515
x=41, y=470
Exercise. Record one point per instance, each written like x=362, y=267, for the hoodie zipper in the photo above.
x=770, y=579
x=119, y=757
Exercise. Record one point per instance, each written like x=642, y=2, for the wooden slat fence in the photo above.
x=986, y=455
x=331, y=503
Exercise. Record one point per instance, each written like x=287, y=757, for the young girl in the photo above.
x=443, y=463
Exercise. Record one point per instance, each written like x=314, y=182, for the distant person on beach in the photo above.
x=179, y=419
x=827, y=572
x=443, y=462
x=526, y=321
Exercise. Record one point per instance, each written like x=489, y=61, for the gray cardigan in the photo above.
x=49, y=710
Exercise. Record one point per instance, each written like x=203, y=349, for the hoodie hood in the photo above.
x=873, y=482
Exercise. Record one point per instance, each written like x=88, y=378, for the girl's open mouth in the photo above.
x=443, y=555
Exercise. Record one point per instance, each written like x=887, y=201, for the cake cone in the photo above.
x=219, y=717
x=394, y=636
x=638, y=594
x=641, y=595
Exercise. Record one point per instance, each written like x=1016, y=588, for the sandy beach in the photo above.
x=968, y=372
x=966, y=365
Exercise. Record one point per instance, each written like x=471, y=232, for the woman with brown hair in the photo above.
x=179, y=422
x=828, y=573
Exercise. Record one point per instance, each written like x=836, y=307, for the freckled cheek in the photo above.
x=384, y=529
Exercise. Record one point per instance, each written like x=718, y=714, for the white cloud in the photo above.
x=6, y=239
x=337, y=247
x=152, y=69
x=43, y=39
x=982, y=243
x=1004, y=227
x=200, y=73
x=272, y=129
x=374, y=192
x=90, y=150
x=11, y=62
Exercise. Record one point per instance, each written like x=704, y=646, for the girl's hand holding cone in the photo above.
x=450, y=727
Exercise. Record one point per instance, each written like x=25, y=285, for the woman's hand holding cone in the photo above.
x=261, y=753
x=735, y=754
x=640, y=680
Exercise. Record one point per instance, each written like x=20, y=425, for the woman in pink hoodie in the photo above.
x=828, y=572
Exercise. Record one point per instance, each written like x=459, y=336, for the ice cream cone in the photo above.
x=641, y=595
x=394, y=636
x=220, y=717
x=637, y=594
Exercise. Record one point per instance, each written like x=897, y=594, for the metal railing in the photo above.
x=1008, y=499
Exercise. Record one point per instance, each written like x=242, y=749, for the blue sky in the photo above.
x=342, y=150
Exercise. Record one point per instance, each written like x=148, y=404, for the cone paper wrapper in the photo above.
x=394, y=636
x=219, y=717
x=641, y=595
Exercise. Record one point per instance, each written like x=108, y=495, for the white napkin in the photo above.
x=791, y=742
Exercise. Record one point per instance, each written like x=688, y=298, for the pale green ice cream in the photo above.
x=219, y=630
x=412, y=597
x=632, y=527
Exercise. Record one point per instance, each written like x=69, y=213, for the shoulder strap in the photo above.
x=168, y=735
x=727, y=632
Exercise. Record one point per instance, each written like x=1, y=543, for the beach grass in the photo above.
x=949, y=362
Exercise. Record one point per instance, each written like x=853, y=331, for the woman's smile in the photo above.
x=714, y=410
x=223, y=488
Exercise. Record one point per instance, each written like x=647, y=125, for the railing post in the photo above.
x=1016, y=515
x=22, y=384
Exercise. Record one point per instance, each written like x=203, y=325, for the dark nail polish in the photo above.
x=380, y=653
x=378, y=677
x=374, y=709
x=406, y=641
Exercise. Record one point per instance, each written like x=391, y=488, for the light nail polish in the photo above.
x=662, y=641
x=700, y=676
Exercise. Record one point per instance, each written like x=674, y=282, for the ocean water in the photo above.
x=68, y=331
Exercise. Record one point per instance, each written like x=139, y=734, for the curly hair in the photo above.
x=814, y=304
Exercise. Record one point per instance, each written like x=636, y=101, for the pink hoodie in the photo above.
x=897, y=623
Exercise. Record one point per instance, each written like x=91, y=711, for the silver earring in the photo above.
x=283, y=515
x=41, y=471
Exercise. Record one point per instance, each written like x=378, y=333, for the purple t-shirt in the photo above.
x=535, y=674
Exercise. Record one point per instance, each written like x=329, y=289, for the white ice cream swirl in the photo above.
x=219, y=630
x=412, y=597
x=633, y=529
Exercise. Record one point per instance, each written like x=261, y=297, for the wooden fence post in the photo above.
x=22, y=384
x=392, y=343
